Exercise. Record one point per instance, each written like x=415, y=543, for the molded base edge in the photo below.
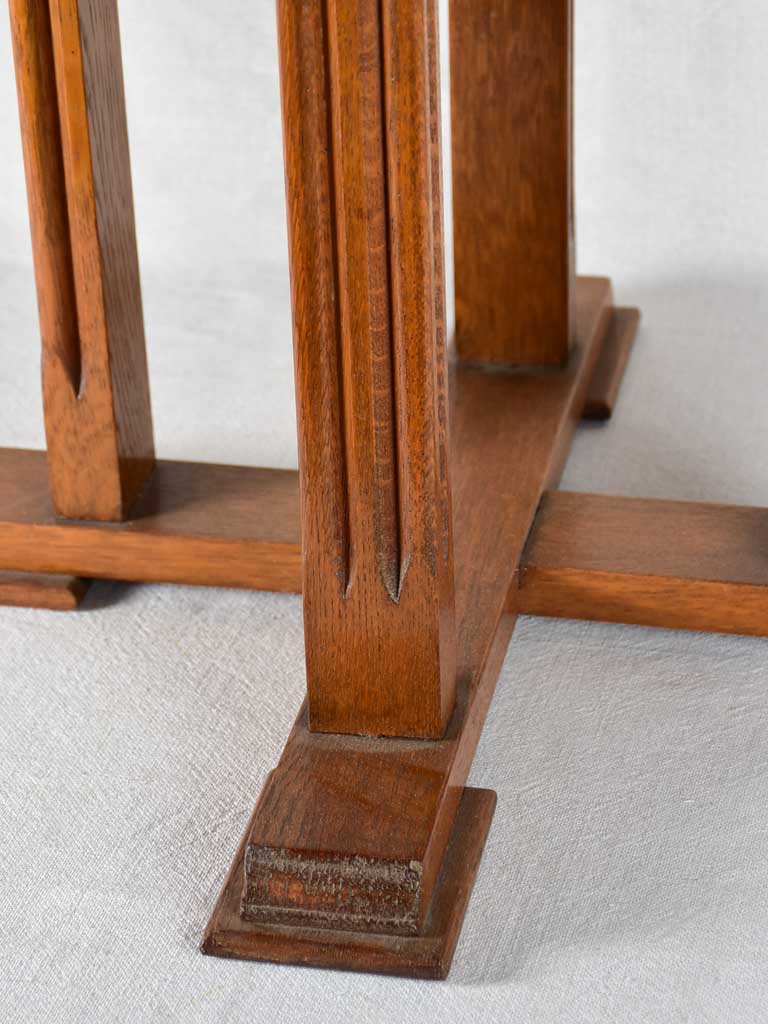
x=428, y=955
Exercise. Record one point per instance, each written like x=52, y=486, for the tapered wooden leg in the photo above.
x=511, y=73
x=95, y=384
x=360, y=113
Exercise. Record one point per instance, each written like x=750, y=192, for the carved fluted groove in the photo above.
x=361, y=211
x=76, y=163
x=34, y=50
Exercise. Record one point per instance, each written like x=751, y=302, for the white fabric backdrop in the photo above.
x=626, y=873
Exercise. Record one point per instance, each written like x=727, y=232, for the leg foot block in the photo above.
x=30, y=590
x=427, y=955
x=609, y=373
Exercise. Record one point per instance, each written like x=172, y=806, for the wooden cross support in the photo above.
x=424, y=518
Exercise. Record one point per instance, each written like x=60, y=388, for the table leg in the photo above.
x=95, y=384
x=512, y=114
x=360, y=101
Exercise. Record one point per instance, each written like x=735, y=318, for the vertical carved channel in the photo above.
x=361, y=252
x=47, y=194
x=356, y=92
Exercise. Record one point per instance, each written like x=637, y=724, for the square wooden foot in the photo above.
x=609, y=373
x=30, y=590
x=428, y=955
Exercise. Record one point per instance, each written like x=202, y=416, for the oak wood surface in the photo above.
x=54, y=593
x=674, y=564
x=678, y=565
x=199, y=523
x=362, y=850
x=361, y=130
x=511, y=88
x=240, y=527
x=388, y=806
x=609, y=373
x=195, y=523
x=75, y=141
x=427, y=955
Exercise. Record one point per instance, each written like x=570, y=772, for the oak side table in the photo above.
x=424, y=518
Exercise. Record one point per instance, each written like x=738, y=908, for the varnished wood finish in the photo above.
x=361, y=142
x=387, y=807
x=677, y=565
x=362, y=850
x=511, y=76
x=238, y=527
x=209, y=525
x=427, y=955
x=54, y=593
x=609, y=373
x=95, y=384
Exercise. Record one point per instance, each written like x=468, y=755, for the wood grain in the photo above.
x=608, y=376
x=75, y=141
x=676, y=565
x=361, y=141
x=512, y=100
x=387, y=807
x=233, y=526
x=54, y=593
x=208, y=525
x=427, y=955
